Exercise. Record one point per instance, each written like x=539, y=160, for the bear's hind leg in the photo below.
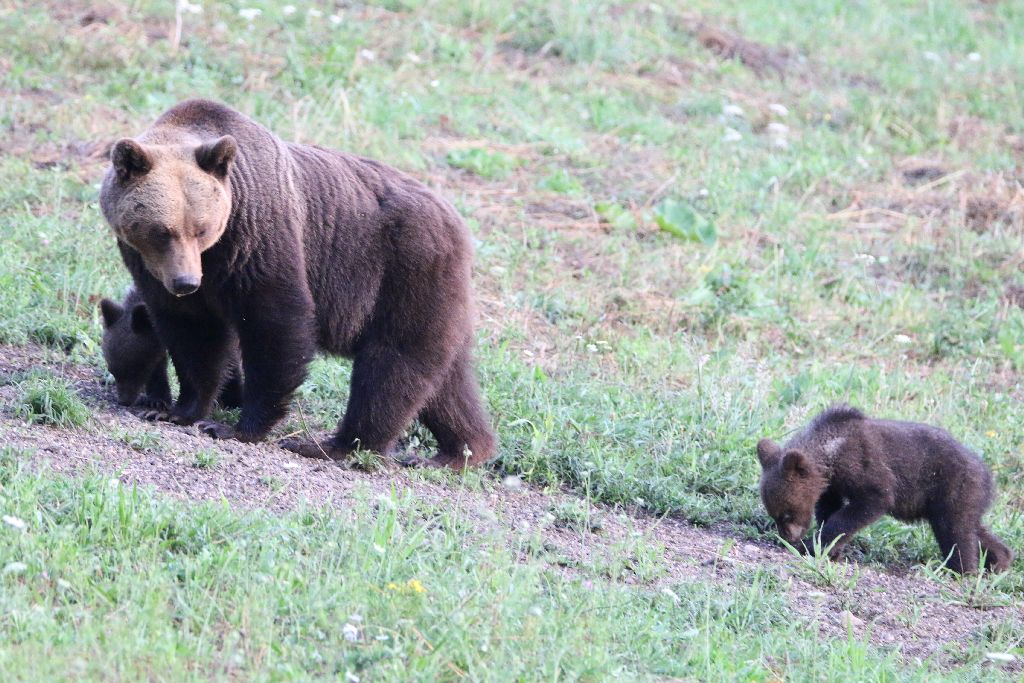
x=998, y=557
x=388, y=389
x=456, y=417
x=958, y=541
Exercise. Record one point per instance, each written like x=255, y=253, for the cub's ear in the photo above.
x=215, y=157
x=140, y=319
x=130, y=160
x=768, y=452
x=110, y=311
x=795, y=462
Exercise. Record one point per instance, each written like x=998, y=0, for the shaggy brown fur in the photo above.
x=230, y=231
x=850, y=470
x=138, y=359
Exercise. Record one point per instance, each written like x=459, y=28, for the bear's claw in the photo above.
x=216, y=430
x=154, y=415
x=152, y=404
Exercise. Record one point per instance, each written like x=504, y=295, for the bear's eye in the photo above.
x=158, y=235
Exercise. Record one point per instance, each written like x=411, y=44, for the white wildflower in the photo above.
x=974, y=57
x=931, y=56
x=732, y=110
x=315, y=13
x=780, y=143
x=351, y=677
x=368, y=55
x=732, y=135
x=15, y=522
x=778, y=109
x=190, y=7
x=413, y=57
x=512, y=482
x=249, y=13
x=15, y=568
x=334, y=19
x=351, y=632
x=902, y=339
x=1001, y=656
x=777, y=129
x=288, y=10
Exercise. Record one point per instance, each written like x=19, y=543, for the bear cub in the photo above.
x=137, y=358
x=849, y=470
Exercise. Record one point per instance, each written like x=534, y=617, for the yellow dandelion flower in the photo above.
x=990, y=433
x=415, y=586
x=392, y=586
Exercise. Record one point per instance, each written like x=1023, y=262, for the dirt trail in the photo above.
x=919, y=617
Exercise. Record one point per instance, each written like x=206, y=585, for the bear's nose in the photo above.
x=184, y=284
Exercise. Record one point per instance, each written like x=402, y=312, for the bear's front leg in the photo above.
x=158, y=389
x=199, y=349
x=851, y=518
x=276, y=334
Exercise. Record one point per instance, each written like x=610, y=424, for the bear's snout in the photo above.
x=792, y=533
x=183, y=285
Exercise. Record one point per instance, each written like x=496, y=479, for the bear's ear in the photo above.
x=110, y=311
x=215, y=157
x=140, y=319
x=795, y=462
x=130, y=160
x=768, y=452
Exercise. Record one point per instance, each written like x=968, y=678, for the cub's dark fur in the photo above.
x=850, y=470
x=134, y=354
x=230, y=232
x=138, y=360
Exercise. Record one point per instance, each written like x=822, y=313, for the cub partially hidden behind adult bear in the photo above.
x=137, y=358
x=849, y=470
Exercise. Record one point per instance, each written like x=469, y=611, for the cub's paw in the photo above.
x=413, y=460
x=216, y=430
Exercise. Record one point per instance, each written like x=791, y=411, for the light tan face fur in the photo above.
x=171, y=213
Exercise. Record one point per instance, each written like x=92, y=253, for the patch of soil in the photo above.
x=939, y=198
x=912, y=614
x=1014, y=294
x=759, y=58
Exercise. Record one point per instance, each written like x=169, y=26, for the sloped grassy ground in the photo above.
x=857, y=165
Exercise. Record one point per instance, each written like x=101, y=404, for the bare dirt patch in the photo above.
x=759, y=58
x=905, y=611
x=938, y=197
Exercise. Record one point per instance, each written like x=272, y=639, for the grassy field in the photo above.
x=694, y=229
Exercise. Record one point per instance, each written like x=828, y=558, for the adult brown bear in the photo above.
x=233, y=235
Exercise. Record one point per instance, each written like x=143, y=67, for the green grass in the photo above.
x=50, y=400
x=622, y=354
x=206, y=458
x=111, y=581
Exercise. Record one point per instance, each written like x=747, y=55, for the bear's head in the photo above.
x=130, y=347
x=170, y=203
x=791, y=484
